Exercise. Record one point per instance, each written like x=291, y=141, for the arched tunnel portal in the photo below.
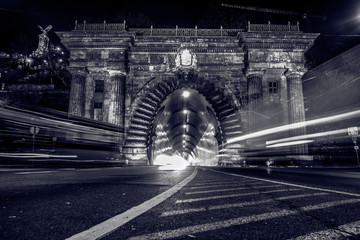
x=186, y=116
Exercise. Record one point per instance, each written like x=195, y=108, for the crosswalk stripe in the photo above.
x=226, y=185
x=233, y=195
x=345, y=230
x=231, y=189
x=234, y=205
x=235, y=221
x=291, y=184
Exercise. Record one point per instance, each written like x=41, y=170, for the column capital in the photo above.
x=116, y=72
x=291, y=73
x=254, y=72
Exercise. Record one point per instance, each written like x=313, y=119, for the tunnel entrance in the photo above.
x=185, y=126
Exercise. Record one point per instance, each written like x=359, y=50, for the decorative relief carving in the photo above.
x=185, y=58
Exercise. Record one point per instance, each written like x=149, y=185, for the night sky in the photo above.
x=19, y=18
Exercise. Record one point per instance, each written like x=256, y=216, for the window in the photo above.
x=98, y=105
x=99, y=85
x=273, y=87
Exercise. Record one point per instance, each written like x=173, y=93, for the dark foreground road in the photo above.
x=202, y=203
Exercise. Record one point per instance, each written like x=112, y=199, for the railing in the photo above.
x=273, y=27
x=186, y=31
x=100, y=26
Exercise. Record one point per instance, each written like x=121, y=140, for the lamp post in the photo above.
x=354, y=132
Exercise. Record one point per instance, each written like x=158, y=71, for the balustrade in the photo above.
x=186, y=31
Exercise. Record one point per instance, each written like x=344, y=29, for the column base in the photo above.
x=135, y=156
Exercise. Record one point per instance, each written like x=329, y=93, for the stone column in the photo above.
x=89, y=96
x=116, y=88
x=284, y=101
x=77, y=94
x=255, y=92
x=296, y=107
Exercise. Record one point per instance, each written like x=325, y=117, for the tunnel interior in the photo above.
x=185, y=126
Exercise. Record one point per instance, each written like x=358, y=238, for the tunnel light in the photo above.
x=185, y=111
x=184, y=126
x=186, y=94
x=171, y=162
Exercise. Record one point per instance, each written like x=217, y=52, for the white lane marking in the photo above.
x=236, y=205
x=328, y=204
x=291, y=184
x=225, y=185
x=301, y=196
x=39, y=172
x=345, y=230
x=225, y=181
x=215, y=181
x=117, y=221
x=231, y=189
x=233, y=222
x=233, y=195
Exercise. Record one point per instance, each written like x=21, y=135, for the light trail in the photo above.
x=295, y=126
x=286, y=144
x=314, y=135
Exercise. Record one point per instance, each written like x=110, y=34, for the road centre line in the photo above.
x=110, y=225
x=345, y=230
x=236, y=221
x=290, y=184
x=232, y=189
x=233, y=195
x=236, y=205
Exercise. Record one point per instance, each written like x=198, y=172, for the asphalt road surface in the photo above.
x=195, y=203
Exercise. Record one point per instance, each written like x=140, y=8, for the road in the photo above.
x=195, y=203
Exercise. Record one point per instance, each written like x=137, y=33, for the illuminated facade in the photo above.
x=240, y=81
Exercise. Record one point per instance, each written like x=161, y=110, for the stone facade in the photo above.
x=251, y=79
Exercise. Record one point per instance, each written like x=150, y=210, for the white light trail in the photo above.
x=285, y=144
x=314, y=135
x=296, y=126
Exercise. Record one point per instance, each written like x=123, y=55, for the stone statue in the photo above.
x=43, y=46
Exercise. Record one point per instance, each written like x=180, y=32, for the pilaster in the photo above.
x=284, y=99
x=77, y=92
x=255, y=91
x=116, y=102
x=296, y=107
